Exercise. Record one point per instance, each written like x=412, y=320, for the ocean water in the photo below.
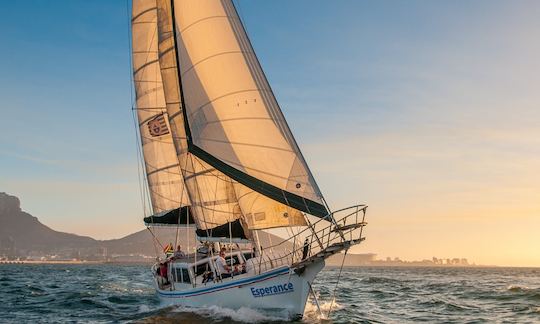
x=123, y=293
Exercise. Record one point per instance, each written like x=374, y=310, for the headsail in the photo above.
x=232, y=120
x=165, y=182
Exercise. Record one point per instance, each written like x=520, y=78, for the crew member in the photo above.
x=222, y=266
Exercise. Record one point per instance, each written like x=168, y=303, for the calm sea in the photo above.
x=123, y=293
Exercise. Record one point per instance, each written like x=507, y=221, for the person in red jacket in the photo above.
x=163, y=273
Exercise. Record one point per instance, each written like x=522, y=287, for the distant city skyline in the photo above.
x=426, y=111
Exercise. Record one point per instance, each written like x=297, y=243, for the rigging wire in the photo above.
x=180, y=209
x=156, y=239
x=337, y=283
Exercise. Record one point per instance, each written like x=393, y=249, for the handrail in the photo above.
x=320, y=220
x=349, y=231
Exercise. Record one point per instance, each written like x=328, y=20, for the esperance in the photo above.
x=272, y=290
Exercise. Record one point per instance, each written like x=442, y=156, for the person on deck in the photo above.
x=179, y=254
x=163, y=273
x=222, y=266
x=168, y=250
x=208, y=276
x=305, y=251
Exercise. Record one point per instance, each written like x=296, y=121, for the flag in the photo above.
x=168, y=249
x=157, y=126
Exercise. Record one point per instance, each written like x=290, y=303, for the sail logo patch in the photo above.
x=273, y=290
x=157, y=126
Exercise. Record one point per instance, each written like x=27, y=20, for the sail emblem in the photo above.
x=158, y=126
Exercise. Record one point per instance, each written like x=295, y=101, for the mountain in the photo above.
x=24, y=233
x=142, y=242
x=27, y=233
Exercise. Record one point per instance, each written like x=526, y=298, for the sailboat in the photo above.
x=220, y=158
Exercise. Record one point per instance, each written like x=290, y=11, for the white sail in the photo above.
x=211, y=192
x=165, y=183
x=233, y=120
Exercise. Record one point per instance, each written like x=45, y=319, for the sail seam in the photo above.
x=146, y=81
x=142, y=67
x=200, y=20
x=223, y=96
x=210, y=57
x=142, y=13
x=143, y=22
x=144, y=52
x=246, y=144
x=151, y=117
x=195, y=174
x=163, y=197
x=162, y=183
x=221, y=121
x=165, y=52
x=176, y=114
x=163, y=168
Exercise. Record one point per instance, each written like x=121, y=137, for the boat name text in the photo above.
x=273, y=290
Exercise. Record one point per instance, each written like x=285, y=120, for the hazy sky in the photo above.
x=428, y=111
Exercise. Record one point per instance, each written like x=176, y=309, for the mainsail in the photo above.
x=165, y=182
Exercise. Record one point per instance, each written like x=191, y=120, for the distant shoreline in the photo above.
x=78, y=262
x=417, y=266
x=51, y=262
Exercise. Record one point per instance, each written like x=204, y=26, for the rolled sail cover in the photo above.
x=232, y=230
x=179, y=216
x=165, y=183
x=234, y=122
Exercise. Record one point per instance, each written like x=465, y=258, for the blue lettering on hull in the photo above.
x=272, y=290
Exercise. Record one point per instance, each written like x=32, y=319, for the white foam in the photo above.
x=311, y=313
x=517, y=288
x=243, y=314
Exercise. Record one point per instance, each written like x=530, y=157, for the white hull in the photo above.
x=279, y=289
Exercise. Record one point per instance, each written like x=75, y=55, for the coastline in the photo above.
x=51, y=262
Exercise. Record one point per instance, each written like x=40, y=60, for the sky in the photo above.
x=427, y=111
